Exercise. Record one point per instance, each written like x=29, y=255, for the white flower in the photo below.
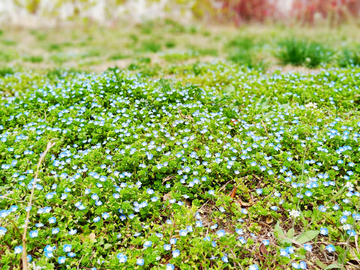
x=349, y=185
x=294, y=213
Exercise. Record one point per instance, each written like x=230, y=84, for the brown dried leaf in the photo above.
x=244, y=203
x=167, y=197
x=269, y=220
x=92, y=236
x=233, y=192
x=263, y=249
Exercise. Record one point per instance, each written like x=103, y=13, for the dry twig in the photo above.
x=24, y=254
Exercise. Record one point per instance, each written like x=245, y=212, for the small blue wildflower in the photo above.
x=254, y=267
x=220, y=233
x=140, y=262
x=52, y=220
x=34, y=233
x=173, y=241
x=2, y=231
x=308, y=247
x=176, y=253
x=330, y=248
x=147, y=244
x=18, y=249
x=266, y=242
x=324, y=231
x=71, y=254
x=303, y=265
x=122, y=258
x=67, y=248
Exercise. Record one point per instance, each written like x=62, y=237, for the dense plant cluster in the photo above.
x=221, y=167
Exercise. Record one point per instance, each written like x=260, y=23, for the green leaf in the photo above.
x=229, y=89
x=321, y=264
x=307, y=236
x=278, y=229
x=290, y=233
x=107, y=246
x=332, y=266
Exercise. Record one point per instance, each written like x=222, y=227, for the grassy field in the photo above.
x=180, y=147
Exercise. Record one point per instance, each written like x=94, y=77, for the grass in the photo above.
x=34, y=58
x=6, y=71
x=303, y=53
x=180, y=164
x=349, y=57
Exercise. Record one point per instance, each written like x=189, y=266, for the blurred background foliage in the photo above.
x=238, y=12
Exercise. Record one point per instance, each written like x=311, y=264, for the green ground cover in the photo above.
x=209, y=157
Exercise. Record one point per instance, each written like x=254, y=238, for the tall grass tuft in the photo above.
x=349, y=57
x=302, y=53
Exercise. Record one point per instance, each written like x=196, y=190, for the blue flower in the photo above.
x=324, y=231
x=308, y=247
x=67, y=248
x=18, y=249
x=140, y=262
x=122, y=258
x=71, y=254
x=96, y=219
x=2, y=231
x=169, y=266
x=49, y=248
x=173, y=241
x=330, y=248
x=225, y=259
x=220, y=233
x=55, y=230
x=29, y=258
x=49, y=254
x=147, y=244
x=61, y=260
x=303, y=265
x=176, y=253
x=254, y=267
x=34, y=233
x=290, y=250
x=239, y=231
x=284, y=253
x=242, y=240
x=52, y=220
